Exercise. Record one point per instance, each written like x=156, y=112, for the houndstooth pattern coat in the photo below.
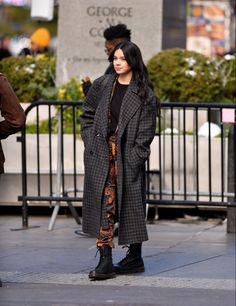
x=136, y=129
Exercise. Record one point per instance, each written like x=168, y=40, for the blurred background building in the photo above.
x=211, y=26
x=18, y=20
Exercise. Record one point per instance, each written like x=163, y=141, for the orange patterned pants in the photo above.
x=110, y=193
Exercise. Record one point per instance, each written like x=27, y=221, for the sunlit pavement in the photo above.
x=187, y=263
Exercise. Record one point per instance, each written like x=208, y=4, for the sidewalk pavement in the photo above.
x=188, y=263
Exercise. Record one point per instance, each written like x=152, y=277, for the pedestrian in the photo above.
x=13, y=116
x=113, y=35
x=4, y=47
x=39, y=43
x=117, y=126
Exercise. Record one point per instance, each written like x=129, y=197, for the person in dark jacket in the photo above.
x=12, y=113
x=13, y=116
x=113, y=36
x=39, y=43
x=117, y=126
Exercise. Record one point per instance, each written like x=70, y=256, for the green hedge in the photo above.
x=179, y=75
x=31, y=78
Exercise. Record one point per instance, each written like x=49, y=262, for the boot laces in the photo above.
x=126, y=258
x=95, y=256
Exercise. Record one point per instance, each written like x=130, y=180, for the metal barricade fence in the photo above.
x=184, y=168
x=190, y=167
x=44, y=177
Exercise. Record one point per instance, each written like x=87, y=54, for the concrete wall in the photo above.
x=11, y=180
x=178, y=164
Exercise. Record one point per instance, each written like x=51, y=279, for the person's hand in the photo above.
x=86, y=84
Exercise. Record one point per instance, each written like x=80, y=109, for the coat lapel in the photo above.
x=130, y=105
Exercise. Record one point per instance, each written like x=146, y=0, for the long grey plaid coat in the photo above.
x=136, y=129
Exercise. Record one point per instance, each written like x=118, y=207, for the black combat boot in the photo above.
x=133, y=262
x=105, y=268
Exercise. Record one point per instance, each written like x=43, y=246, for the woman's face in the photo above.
x=120, y=64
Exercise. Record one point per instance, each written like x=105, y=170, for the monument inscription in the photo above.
x=104, y=17
x=80, y=50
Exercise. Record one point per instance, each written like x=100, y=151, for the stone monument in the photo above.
x=80, y=49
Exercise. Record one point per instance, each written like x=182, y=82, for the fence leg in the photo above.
x=25, y=214
x=54, y=216
x=59, y=165
x=74, y=212
x=231, y=211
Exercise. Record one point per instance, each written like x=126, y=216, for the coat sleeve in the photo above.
x=89, y=109
x=11, y=110
x=145, y=134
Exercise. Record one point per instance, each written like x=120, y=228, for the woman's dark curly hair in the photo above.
x=118, y=31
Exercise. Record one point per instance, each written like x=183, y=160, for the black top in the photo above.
x=116, y=101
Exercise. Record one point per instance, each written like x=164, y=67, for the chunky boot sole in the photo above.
x=99, y=276
x=120, y=270
x=130, y=265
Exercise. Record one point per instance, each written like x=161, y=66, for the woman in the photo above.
x=117, y=126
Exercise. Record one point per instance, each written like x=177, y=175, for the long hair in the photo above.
x=134, y=58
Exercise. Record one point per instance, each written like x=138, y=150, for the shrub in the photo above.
x=34, y=79
x=227, y=72
x=71, y=91
x=31, y=78
x=179, y=75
